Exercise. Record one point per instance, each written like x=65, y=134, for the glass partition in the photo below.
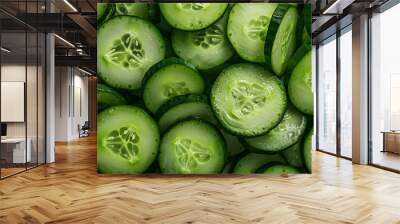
x=14, y=142
x=385, y=89
x=22, y=92
x=327, y=95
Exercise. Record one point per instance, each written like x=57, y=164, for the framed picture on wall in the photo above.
x=12, y=101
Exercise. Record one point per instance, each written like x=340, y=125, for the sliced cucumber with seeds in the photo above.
x=127, y=140
x=228, y=167
x=104, y=12
x=183, y=107
x=293, y=155
x=248, y=100
x=247, y=28
x=127, y=47
x=204, y=48
x=280, y=42
x=281, y=169
x=169, y=78
x=306, y=38
x=233, y=144
x=194, y=106
x=300, y=25
x=192, y=16
x=232, y=161
x=252, y=162
x=285, y=134
x=295, y=59
x=101, y=10
x=128, y=9
x=106, y=97
x=192, y=147
x=300, y=86
x=307, y=145
x=160, y=21
x=307, y=12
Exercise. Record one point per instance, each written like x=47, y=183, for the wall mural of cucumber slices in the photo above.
x=204, y=88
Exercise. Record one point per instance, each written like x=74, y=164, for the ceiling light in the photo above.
x=5, y=50
x=70, y=5
x=84, y=71
x=333, y=6
x=337, y=7
x=64, y=40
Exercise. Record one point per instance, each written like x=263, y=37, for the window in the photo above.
x=385, y=89
x=22, y=75
x=346, y=75
x=327, y=95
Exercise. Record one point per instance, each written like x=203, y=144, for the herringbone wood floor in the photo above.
x=70, y=191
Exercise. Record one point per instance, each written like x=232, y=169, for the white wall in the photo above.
x=70, y=83
x=62, y=82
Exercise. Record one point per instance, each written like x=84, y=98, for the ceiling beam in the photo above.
x=81, y=61
x=89, y=30
x=337, y=7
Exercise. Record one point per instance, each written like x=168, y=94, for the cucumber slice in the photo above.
x=162, y=23
x=101, y=9
x=204, y=48
x=300, y=86
x=153, y=169
x=248, y=100
x=212, y=73
x=253, y=161
x=233, y=144
x=126, y=47
x=104, y=12
x=281, y=169
x=307, y=12
x=280, y=42
x=304, y=24
x=154, y=13
x=285, y=134
x=169, y=78
x=228, y=167
x=106, y=97
x=183, y=107
x=192, y=16
x=247, y=28
x=297, y=56
x=127, y=140
x=192, y=147
x=294, y=155
x=140, y=10
x=306, y=38
x=169, y=51
x=232, y=161
x=307, y=145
